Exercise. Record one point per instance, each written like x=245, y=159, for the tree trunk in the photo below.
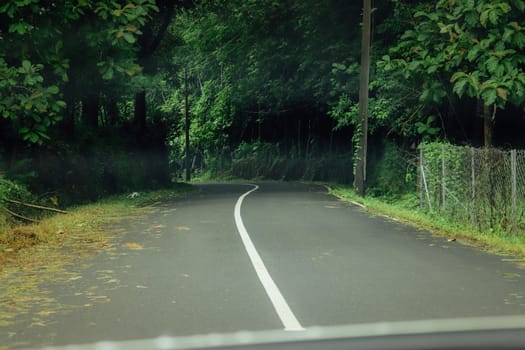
x=90, y=109
x=299, y=138
x=140, y=111
x=148, y=42
x=68, y=121
x=112, y=111
x=331, y=144
x=488, y=124
x=187, y=126
x=308, y=147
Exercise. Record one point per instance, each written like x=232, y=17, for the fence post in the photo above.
x=443, y=188
x=420, y=180
x=514, y=188
x=473, y=182
x=425, y=179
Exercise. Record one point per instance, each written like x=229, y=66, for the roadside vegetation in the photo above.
x=82, y=226
x=406, y=210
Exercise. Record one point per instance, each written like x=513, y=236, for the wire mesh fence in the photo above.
x=484, y=187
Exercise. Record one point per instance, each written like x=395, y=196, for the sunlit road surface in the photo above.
x=304, y=259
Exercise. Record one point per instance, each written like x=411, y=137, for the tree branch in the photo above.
x=37, y=206
x=20, y=216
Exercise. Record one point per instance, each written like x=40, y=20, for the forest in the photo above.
x=105, y=97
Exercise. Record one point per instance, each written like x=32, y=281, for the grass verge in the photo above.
x=406, y=210
x=32, y=255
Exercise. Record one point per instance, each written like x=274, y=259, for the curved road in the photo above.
x=330, y=263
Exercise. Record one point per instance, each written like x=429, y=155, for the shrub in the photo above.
x=13, y=191
x=392, y=174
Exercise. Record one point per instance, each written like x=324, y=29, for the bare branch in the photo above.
x=37, y=206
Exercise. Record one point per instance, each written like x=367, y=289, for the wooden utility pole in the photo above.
x=360, y=170
x=187, y=126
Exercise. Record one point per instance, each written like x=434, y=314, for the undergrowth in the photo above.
x=406, y=209
x=84, y=220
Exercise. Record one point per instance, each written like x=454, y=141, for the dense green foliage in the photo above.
x=46, y=45
x=68, y=72
x=93, y=93
x=259, y=71
x=465, y=48
x=12, y=190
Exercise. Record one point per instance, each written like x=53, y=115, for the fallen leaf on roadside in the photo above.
x=4, y=323
x=182, y=228
x=46, y=312
x=75, y=278
x=99, y=299
x=39, y=324
x=5, y=315
x=133, y=245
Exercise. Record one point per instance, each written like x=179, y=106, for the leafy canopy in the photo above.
x=476, y=46
x=41, y=45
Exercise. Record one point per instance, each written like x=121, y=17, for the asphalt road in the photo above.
x=186, y=269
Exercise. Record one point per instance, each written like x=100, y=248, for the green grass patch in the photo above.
x=406, y=210
x=208, y=176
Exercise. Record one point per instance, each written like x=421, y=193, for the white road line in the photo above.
x=280, y=305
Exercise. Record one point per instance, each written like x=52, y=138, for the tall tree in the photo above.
x=148, y=42
x=472, y=48
x=41, y=54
